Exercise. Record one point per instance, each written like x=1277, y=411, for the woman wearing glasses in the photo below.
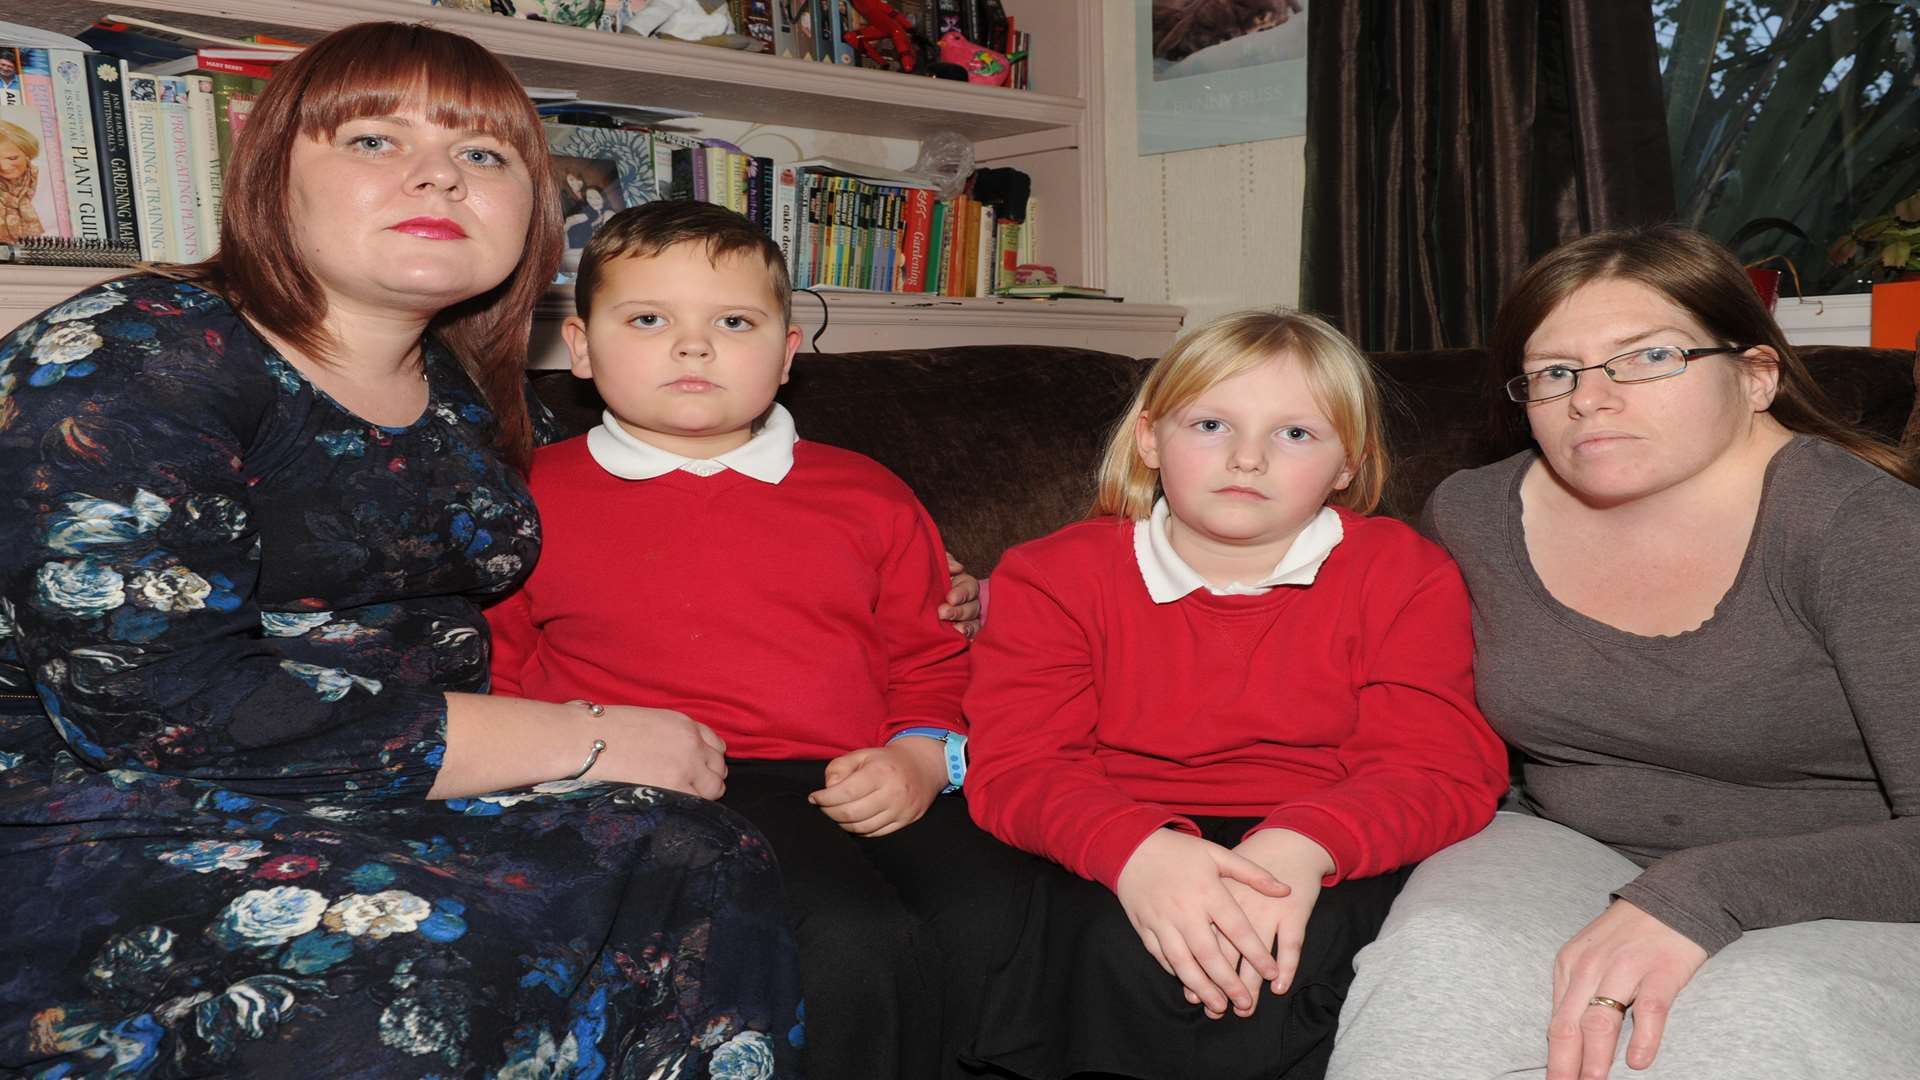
x=1697, y=620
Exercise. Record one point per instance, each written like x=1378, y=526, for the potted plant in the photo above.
x=1889, y=242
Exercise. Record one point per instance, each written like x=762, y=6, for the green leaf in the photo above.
x=1896, y=254
x=1688, y=64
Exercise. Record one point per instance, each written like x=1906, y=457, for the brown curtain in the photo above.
x=1451, y=142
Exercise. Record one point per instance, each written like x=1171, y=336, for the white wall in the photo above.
x=1212, y=230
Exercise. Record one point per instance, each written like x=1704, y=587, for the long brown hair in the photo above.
x=376, y=69
x=1703, y=279
x=1338, y=374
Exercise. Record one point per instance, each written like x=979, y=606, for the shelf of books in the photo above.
x=901, y=260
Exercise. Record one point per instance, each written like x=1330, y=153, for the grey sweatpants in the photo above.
x=1459, y=984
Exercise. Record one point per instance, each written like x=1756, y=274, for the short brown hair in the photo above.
x=1703, y=279
x=376, y=69
x=651, y=228
x=1338, y=374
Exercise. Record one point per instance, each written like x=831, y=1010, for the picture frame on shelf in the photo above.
x=590, y=193
x=615, y=163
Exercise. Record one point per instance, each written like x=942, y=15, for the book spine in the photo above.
x=702, y=175
x=951, y=15
x=756, y=210
x=241, y=107
x=1006, y=254
x=821, y=16
x=937, y=250
x=208, y=176
x=66, y=251
x=859, y=233
x=843, y=53
x=176, y=162
x=144, y=149
x=783, y=28
x=886, y=249
x=757, y=22
x=110, y=140
x=785, y=183
x=227, y=86
x=84, y=198
x=983, y=262
x=968, y=262
x=918, y=228
x=812, y=204
x=1029, y=231
x=215, y=65
x=763, y=189
x=737, y=182
x=680, y=175
x=36, y=79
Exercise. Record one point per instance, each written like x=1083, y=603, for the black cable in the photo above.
x=824, y=315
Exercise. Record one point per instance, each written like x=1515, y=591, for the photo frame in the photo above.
x=617, y=162
x=1218, y=72
x=590, y=193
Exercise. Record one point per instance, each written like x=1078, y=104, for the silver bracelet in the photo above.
x=593, y=755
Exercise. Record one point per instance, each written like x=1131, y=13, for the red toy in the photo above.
x=983, y=65
x=883, y=22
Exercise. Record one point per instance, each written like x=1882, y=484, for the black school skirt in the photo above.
x=1081, y=995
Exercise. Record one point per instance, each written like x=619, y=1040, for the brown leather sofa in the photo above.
x=1000, y=442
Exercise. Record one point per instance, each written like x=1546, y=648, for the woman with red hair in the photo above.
x=254, y=508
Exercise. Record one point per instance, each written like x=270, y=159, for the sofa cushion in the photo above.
x=1870, y=387
x=999, y=442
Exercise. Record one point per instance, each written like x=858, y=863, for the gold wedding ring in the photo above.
x=1618, y=1006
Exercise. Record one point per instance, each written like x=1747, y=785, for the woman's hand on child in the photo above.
x=1280, y=922
x=1174, y=891
x=962, y=605
x=1628, y=956
x=659, y=748
x=883, y=789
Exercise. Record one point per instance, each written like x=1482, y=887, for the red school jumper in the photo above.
x=795, y=619
x=1343, y=709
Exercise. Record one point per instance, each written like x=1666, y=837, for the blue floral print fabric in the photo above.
x=229, y=613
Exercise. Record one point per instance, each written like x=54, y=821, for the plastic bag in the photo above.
x=945, y=161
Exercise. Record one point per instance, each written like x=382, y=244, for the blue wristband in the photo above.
x=956, y=745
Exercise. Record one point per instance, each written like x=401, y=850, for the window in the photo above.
x=1791, y=121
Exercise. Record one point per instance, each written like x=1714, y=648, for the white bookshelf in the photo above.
x=1053, y=132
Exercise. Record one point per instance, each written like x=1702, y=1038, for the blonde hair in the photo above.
x=27, y=141
x=1338, y=374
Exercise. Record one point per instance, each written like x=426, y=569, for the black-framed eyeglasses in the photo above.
x=1640, y=365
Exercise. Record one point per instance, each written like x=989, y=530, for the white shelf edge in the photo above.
x=1841, y=319
x=856, y=321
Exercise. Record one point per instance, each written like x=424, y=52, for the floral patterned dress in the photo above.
x=228, y=612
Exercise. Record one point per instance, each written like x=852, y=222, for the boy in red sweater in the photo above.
x=1235, y=712
x=700, y=557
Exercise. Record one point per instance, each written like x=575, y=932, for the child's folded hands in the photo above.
x=1174, y=891
x=1280, y=922
x=883, y=789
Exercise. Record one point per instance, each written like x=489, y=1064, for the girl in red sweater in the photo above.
x=1235, y=703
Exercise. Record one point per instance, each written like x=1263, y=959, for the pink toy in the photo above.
x=983, y=65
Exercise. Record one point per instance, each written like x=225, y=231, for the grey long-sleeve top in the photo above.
x=1765, y=767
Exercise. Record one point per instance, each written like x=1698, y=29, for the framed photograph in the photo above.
x=599, y=170
x=589, y=194
x=1216, y=72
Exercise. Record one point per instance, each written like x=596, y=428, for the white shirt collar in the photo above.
x=767, y=457
x=1169, y=578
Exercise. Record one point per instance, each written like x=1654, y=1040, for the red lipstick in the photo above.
x=431, y=228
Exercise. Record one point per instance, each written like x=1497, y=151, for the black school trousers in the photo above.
x=898, y=935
